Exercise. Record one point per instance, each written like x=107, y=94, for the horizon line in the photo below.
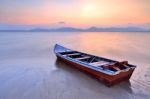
x=73, y=29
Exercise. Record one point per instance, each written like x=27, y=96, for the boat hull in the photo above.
x=108, y=80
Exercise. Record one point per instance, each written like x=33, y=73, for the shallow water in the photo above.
x=29, y=69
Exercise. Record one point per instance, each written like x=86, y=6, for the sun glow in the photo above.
x=89, y=11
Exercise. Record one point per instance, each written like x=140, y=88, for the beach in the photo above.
x=29, y=68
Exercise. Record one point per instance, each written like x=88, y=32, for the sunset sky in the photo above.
x=75, y=13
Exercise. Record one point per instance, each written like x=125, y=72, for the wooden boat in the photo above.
x=108, y=71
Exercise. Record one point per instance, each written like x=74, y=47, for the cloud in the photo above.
x=148, y=23
x=61, y=22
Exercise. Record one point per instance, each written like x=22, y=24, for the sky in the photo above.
x=74, y=13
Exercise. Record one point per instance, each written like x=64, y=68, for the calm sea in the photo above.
x=29, y=69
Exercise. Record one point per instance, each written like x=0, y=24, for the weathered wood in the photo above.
x=110, y=72
x=85, y=57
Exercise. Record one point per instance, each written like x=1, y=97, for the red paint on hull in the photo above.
x=108, y=80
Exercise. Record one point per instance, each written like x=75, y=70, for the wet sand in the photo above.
x=30, y=70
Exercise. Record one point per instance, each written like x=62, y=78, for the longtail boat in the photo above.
x=108, y=71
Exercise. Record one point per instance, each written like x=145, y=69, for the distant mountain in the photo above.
x=91, y=29
x=62, y=29
x=117, y=29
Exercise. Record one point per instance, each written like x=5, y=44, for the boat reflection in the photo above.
x=84, y=77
